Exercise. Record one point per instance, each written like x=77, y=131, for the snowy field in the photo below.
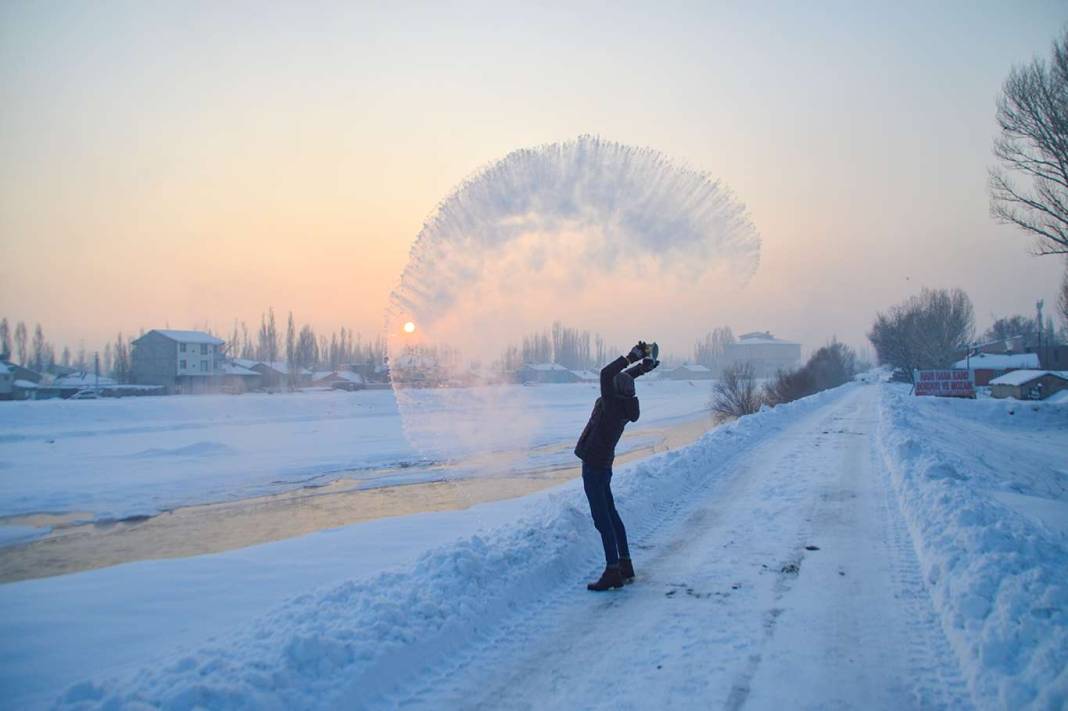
x=856, y=549
x=115, y=458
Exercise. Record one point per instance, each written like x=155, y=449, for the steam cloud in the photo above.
x=562, y=231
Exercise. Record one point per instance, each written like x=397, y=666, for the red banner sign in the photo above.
x=944, y=383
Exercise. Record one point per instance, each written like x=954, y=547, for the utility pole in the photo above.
x=1038, y=307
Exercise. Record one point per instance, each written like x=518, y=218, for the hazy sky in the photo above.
x=189, y=163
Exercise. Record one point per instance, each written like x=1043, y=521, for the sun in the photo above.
x=409, y=327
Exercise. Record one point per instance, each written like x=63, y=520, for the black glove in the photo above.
x=638, y=352
x=649, y=364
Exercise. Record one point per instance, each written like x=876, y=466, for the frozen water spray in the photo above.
x=590, y=232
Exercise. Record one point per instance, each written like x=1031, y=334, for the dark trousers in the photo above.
x=597, y=481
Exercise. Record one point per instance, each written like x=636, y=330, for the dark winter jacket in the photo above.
x=611, y=413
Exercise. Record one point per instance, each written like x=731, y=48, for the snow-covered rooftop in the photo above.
x=4, y=370
x=343, y=374
x=761, y=337
x=999, y=361
x=587, y=375
x=235, y=368
x=189, y=336
x=81, y=380
x=1020, y=377
x=544, y=366
x=693, y=368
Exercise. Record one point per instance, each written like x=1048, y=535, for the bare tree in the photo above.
x=735, y=394
x=39, y=356
x=5, y=339
x=1010, y=326
x=926, y=331
x=291, y=351
x=1032, y=113
x=21, y=338
x=709, y=351
x=121, y=368
x=1062, y=302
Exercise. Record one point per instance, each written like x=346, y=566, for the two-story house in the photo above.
x=179, y=360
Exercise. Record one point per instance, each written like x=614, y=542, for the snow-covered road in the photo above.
x=791, y=583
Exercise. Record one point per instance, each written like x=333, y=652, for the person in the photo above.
x=616, y=406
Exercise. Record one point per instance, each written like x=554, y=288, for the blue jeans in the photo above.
x=597, y=481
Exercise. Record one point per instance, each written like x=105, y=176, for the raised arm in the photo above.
x=608, y=372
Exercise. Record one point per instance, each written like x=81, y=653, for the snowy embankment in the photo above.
x=358, y=638
x=984, y=487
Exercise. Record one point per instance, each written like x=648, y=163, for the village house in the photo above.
x=275, y=374
x=1029, y=384
x=339, y=380
x=181, y=361
x=985, y=367
x=688, y=371
x=531, y=373
x=766, y=354
x=17, y=382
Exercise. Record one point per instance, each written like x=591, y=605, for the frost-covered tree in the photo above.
x=291, y=351
x=121, y=368
x=1032, y=114
x=735, y=393
x=926, y=331
x=1010, y=326
x=5, y=339
x=21, y=339
x=709, y=351
x=1062, y=304
x=267, y=346
x=307, y=348
x=37, y=358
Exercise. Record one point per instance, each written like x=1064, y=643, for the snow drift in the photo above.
x=982, y=485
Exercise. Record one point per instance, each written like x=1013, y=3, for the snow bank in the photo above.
x=982, y=485
x=350, y=644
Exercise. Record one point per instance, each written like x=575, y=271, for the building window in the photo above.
x=181, y=364
x=203, y=349
x=181, y=347
x=203, y=365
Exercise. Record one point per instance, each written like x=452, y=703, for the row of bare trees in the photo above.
x=569, y=347
x=737, y=392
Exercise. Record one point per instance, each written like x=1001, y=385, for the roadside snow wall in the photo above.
x=984, y=487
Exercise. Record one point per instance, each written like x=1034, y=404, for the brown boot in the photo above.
x=610, y=578
x=626, y=570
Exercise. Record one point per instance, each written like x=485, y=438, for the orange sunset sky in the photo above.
x=186, y=164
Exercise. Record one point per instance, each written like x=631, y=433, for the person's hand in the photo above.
x=638, y=352
x=649, y=364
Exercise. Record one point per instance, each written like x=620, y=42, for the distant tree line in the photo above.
x=302, y=347
x=569, y=347
x=737, y=392
x=298, y=348
x=936, y=328
x=710, y=350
